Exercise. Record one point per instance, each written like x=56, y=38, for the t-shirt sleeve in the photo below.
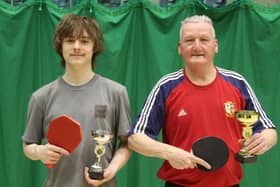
x=34, y=131
x=252, y=103
x=151, y=118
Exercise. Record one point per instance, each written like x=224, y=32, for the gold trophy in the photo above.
x=247, y=118
x=101, y=138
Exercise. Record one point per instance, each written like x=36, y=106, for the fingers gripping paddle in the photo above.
x=213, y=150
x=64, y=132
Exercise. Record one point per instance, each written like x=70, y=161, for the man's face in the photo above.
x=77, y=51
x=198, y=45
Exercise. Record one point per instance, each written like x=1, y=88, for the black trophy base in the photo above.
x=245, y=158
x=96, y=173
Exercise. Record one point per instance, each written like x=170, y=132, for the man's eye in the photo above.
x=204, y=40
x=69, y=40
x=85, y=41
x=188, y=41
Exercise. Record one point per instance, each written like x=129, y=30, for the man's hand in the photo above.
x=261, y=142
x=181, y=159
x=108, y=175
x=50, y=154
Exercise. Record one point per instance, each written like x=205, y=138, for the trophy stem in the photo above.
x=243, y=152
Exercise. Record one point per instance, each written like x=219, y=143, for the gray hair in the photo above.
x=197, y=19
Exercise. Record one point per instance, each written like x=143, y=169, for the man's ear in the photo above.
x=216, y=46
x=179, y=49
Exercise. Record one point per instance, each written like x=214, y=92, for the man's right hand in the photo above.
x=181, y=159
x=50, y=154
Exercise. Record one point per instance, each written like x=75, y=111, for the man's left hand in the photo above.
x=261, y=142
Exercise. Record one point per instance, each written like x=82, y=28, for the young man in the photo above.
x=95, y=102
x=196, y=102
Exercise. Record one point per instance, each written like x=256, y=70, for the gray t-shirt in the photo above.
x=100, y=104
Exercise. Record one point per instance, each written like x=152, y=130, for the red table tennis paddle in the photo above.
x=213, y=150
x=64, y=132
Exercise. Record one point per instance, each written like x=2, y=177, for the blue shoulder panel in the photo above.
x=152, y=116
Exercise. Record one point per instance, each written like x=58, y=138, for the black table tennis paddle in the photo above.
x=213, y=150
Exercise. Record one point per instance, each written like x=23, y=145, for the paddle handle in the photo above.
x=50, y=166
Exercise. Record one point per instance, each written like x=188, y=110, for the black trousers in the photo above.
x=170, y=184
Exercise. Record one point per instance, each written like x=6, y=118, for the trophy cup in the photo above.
x=101, y=138
x=247, y=118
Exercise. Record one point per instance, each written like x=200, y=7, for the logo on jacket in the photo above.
x=181, y=113
x=230, y=109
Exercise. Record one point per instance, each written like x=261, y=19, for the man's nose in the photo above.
x=197, y=44
x=77, y=44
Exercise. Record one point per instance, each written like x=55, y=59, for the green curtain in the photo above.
x=140, y=47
